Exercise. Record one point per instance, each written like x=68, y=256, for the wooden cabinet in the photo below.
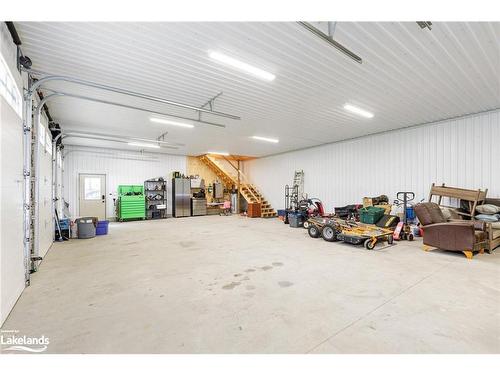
x=254, y=210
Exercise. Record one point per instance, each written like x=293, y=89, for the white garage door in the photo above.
x=45, y=224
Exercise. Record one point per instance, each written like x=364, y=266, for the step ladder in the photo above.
x=298, y=180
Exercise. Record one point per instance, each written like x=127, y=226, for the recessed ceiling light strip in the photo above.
x=170, y=122
x=223, y=153
x=265, y=139
x=240, y=65
x=359, y=111
x=142, y=144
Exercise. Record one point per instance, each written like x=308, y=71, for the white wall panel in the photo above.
x=11, y=202
x=120, y=168
x=463, y=152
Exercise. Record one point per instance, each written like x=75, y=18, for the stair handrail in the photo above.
x=243, y=182
x=245, y=178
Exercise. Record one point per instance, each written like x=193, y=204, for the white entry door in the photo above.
x=93, y=195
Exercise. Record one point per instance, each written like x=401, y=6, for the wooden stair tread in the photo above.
x=249, y=191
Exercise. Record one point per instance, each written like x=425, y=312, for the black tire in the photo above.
x=390, y=239
x=329, y=233
x=410, y=237
x=313, y=231
x=369, y=244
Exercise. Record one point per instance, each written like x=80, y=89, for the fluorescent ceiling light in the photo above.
x=218, y=153
x=170, y=122
x=141, y=144
x=265, y=139
x=358, y=111
x=242, y=66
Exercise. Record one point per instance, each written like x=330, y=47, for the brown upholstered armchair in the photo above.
x=456, y=235
x=493, y=229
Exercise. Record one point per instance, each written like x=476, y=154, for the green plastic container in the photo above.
x=131, y=202
x=370, y=215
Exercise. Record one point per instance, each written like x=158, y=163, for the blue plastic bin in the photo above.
x=102, y=227
x=410, y=213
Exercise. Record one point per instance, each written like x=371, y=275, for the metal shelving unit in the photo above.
x=155, y=191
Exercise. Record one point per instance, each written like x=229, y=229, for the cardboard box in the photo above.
x=367, y=202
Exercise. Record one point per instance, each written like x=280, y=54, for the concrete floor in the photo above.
x=237, y=285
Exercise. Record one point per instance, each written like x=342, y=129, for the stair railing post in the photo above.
x=238, y=200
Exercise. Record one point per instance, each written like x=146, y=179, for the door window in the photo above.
x=92, y=188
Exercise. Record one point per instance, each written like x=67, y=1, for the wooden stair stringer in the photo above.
x=249, y=191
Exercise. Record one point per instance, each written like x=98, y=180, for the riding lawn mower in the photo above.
x=299, y=210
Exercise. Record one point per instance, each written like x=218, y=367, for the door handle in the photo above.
x=103, y=198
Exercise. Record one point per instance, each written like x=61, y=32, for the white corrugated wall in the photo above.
x=11, y=180
x=463, y=152
x=120, y=168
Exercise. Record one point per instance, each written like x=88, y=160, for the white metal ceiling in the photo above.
x=409, y=76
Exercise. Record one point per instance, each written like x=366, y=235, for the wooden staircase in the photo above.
x=247, y=190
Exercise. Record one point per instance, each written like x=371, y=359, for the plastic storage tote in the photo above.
x=410, y=213
x=370, y=215
x=102, y=227
x=86, y=227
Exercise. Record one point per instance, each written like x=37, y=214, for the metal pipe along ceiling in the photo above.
x=135, y=94
x=113, y=138
x=331, y=41
x=126, y=137
x=88, y=98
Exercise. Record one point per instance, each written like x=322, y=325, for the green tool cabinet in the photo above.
x=131, y=202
